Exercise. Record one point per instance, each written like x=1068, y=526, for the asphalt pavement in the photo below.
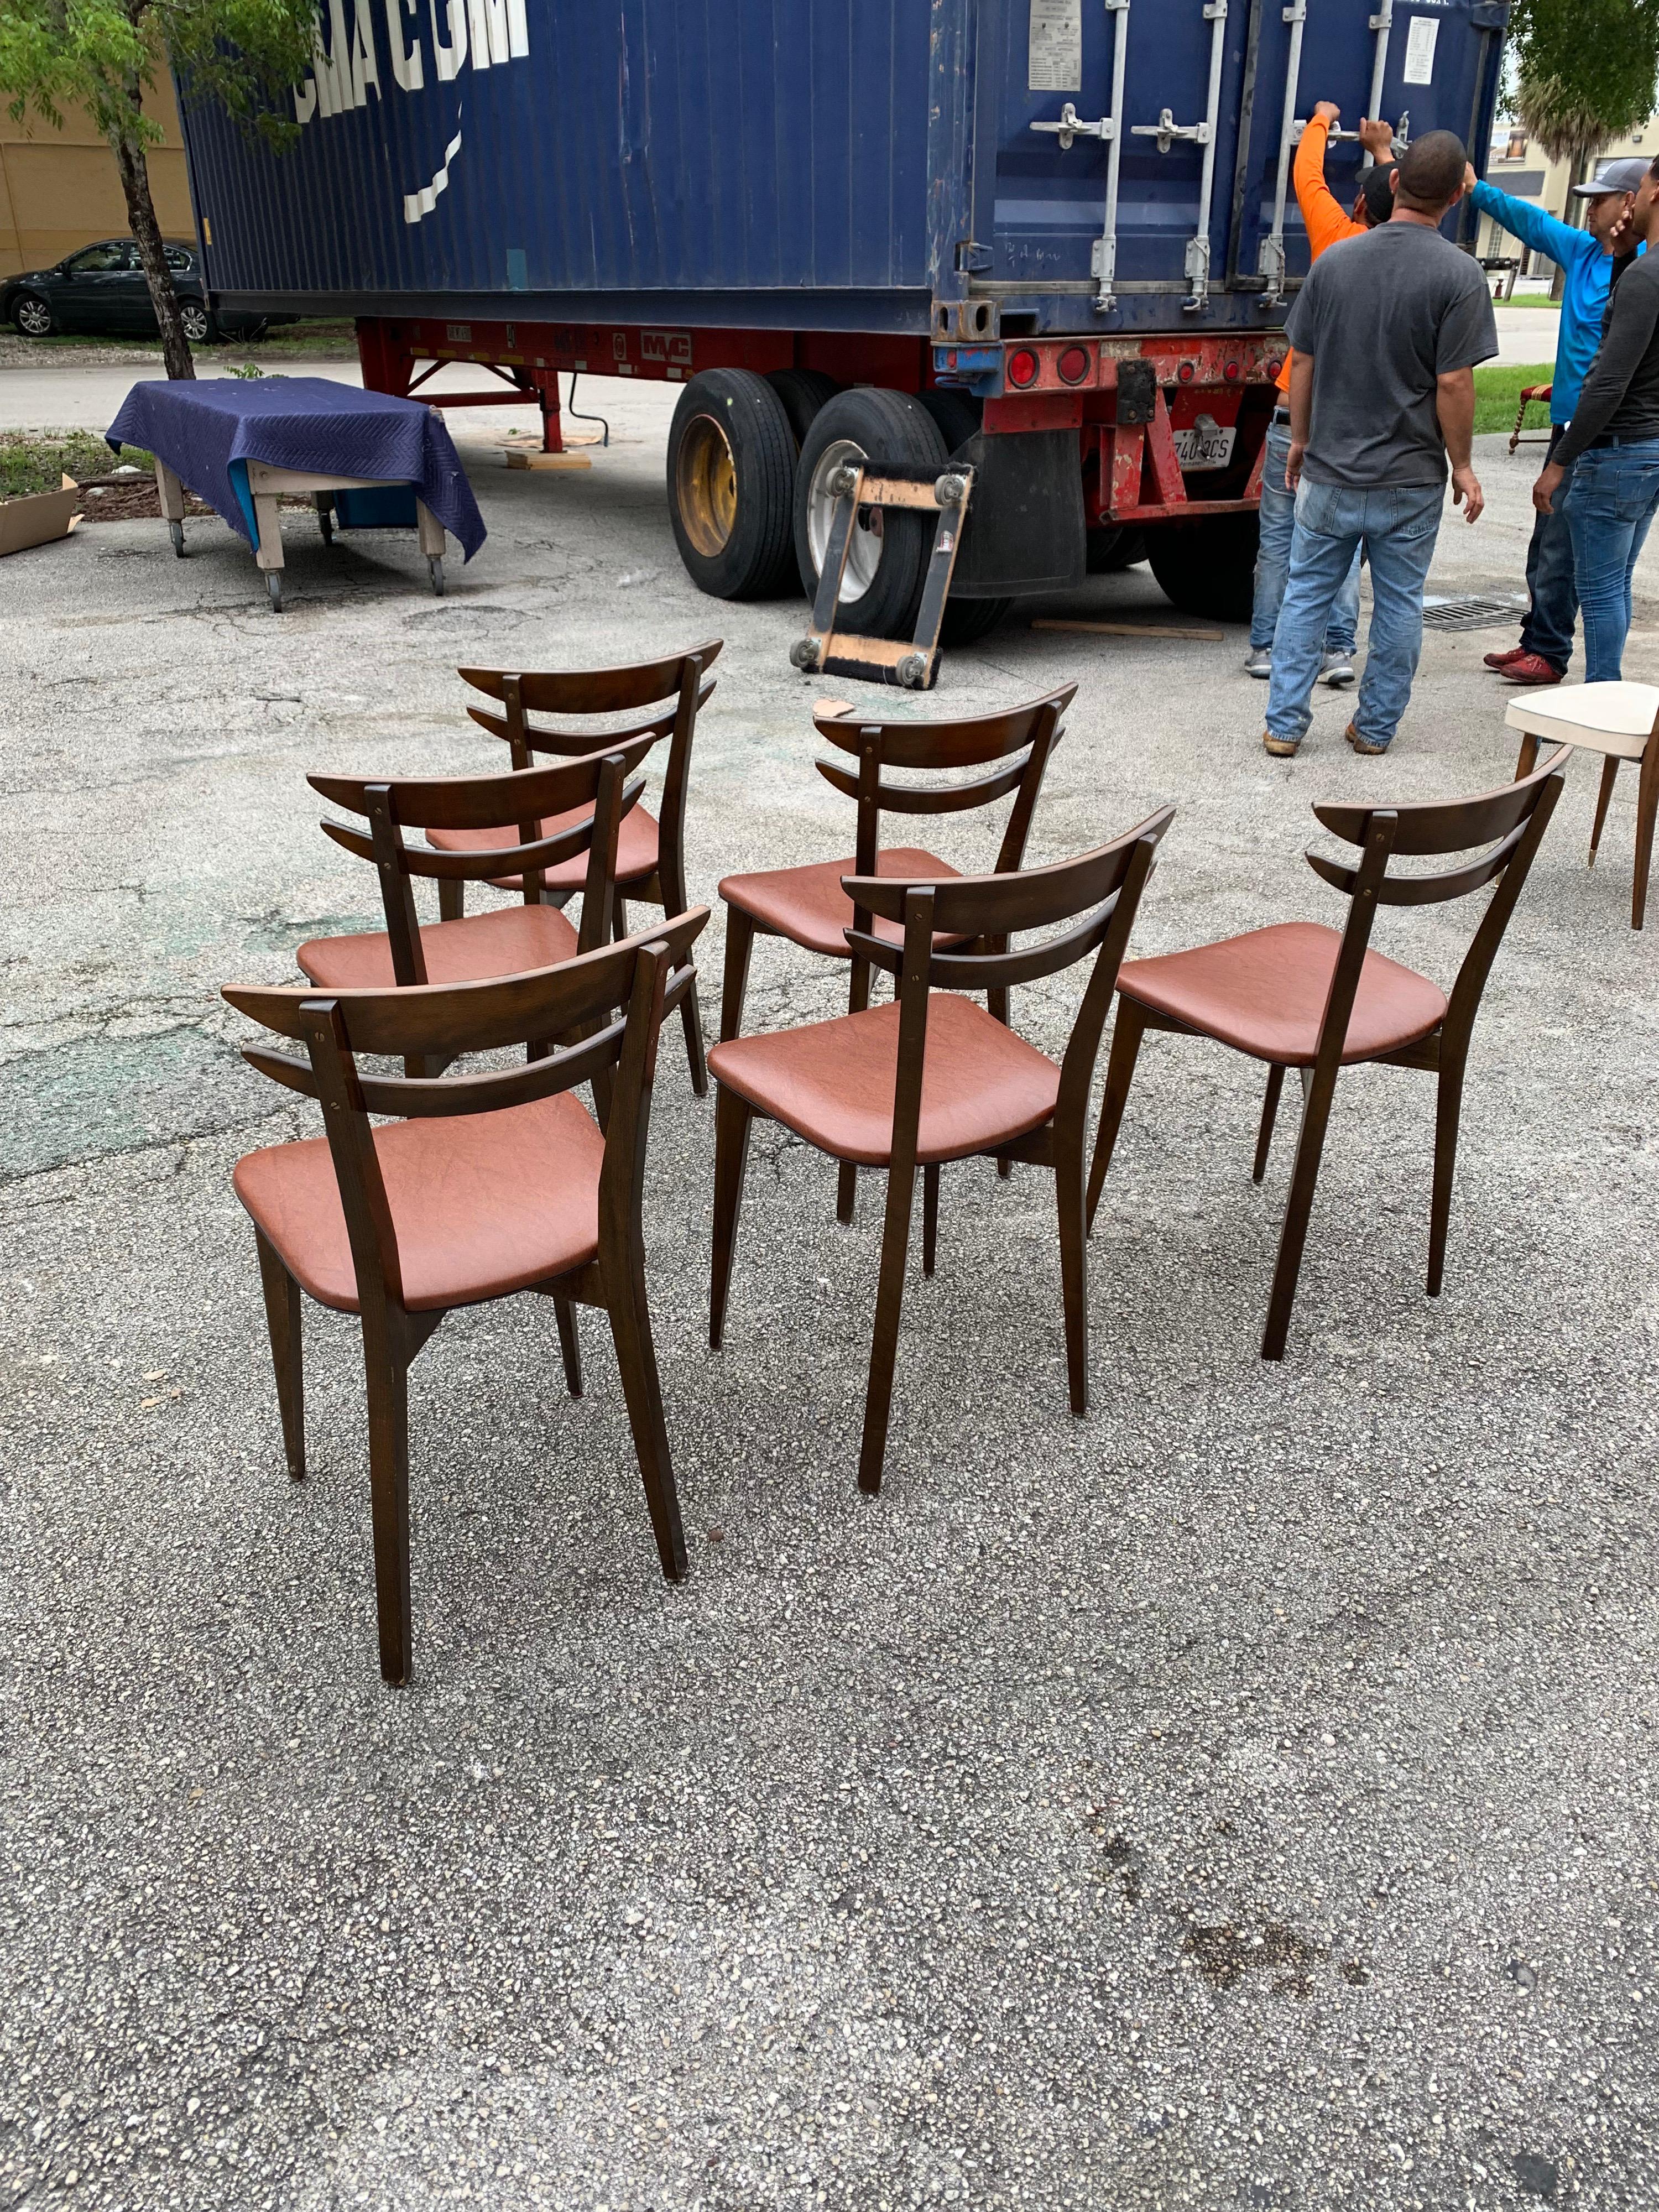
x=1241, y=1796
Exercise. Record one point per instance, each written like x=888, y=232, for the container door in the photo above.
x=1114, y=123
x=1425, y=67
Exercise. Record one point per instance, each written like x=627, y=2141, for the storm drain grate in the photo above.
x=1471, y=614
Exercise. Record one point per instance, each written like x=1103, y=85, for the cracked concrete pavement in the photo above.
x=1243, y=1796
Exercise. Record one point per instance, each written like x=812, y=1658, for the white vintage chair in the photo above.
x=1621, y=722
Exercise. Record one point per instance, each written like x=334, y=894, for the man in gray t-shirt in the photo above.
x=1387, y=331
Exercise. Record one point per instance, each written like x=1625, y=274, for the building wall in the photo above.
x=58, y=189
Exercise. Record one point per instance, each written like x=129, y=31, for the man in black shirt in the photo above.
x=1611, y=444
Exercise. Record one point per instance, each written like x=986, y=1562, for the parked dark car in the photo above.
x=102, y=288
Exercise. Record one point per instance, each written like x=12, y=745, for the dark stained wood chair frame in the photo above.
x=1103, y=887
x=604, y=780
x=1515, y=816
x=621, y=690
x=649, y=976
x=1031, y=732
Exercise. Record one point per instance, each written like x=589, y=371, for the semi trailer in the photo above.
x=1052, y=240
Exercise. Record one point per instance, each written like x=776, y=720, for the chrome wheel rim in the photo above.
x=864, y=553
x=33, y=317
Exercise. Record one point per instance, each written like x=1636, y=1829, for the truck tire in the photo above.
x=1207, y=567
x=958, y=416
x=803, y=391
x=730, y=470
x=967, y=621
x=881, y=585
x=1115, y=548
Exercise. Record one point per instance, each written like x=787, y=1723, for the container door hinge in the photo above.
x=973, y=259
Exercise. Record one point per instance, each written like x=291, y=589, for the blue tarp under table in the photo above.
x=371, y=460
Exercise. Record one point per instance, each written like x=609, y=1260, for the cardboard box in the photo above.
x=38, y=520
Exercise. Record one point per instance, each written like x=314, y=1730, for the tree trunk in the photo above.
x=128, y=148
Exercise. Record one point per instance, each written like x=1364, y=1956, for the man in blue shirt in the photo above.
x=1585, y=259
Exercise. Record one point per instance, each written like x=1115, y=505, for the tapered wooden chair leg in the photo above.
x=1316, y=1114
x=636, y=1360
x=387, y=1374
x=1603, y=798
x=283, y=1319
x=619, y=918
x=739, y=943
x=1647, y=807
x=732, y=1119
x=847, y=1193
x=691, y=1021
x=570, y=1349
x=1448, y=1114
x=929, y=1216
x=1126, y=1033
x=1529, y=759
x=883, y=1349
x=1264, y=1135
x=452, y=898
x=1074, y=1274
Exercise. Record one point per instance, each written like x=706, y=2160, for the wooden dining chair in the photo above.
x=1299, y=994
x=809, y=906
x=593, y=798
x=484, y=1185
x=931, y=1077
x=651, y=856
x=1619, y=720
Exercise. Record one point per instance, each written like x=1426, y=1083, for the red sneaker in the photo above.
x=1531, y=668
x=1506, y=659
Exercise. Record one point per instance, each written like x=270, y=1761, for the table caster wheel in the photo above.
x=274, y=586
x=176, y=531
x=437, y=568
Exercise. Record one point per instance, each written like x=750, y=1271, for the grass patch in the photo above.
x=32, y=461
x=1497, y=389
x=337, y=334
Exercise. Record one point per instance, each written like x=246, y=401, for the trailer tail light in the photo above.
x=1186, y=372
x=1074, y=364
x=1230, y=372
x=1022, y=369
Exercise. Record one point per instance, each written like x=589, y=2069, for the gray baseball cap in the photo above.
x=1623, y=176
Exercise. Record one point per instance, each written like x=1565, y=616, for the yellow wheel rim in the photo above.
x=705, y=481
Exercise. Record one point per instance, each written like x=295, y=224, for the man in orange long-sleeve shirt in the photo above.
x=1325, y=224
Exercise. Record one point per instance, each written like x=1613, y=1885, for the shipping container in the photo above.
x=1061, y=229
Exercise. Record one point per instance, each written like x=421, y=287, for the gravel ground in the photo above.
x=1241, y=1797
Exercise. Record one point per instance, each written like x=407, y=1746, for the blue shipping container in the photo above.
x=901, y=166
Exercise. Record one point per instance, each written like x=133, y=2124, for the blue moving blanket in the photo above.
x=207, y=430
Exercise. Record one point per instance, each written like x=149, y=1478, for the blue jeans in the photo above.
x=1552, y=589
x=1609, y=504
x=1396, y=527
x=1272, y=559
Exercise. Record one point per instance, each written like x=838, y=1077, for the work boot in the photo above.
x=1336, y=669
x=1362, y=744
x=1531, y=668
x=1506, y=659
x=1280, y=748
x=1260, y=662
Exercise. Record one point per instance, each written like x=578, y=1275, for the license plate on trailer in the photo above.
x=1205, y=449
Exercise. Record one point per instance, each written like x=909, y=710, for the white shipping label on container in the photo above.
x=1419, y=49
x=1056, y=62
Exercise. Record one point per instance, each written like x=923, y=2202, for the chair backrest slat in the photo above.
x=929, y=799
x=484, y=802
x=1451, y=825
x=536, y=738
x=998, y=905
x=616, y=690
x=438, y=1097
x=446, y=1019
x=967, y=742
